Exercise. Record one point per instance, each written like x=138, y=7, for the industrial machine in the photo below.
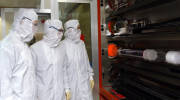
x=140, y=49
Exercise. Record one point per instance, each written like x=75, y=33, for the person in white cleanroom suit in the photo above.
x=49, y=59
x=80, y=71
x=17, y=79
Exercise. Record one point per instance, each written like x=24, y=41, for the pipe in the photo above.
x=148, y=54
x=171, y=57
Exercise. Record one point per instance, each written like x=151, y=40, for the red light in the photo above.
x=112, y=50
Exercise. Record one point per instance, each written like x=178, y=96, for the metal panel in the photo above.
x=95, y=54
x=54, y=9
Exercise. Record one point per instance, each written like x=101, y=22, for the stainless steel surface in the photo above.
x=54, y=9
x=94, y=42
x=19, y=3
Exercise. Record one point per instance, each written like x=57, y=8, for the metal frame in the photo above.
x=42, y=4
x=95, y=47
x=54, y=9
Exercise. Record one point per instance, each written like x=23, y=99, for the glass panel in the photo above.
x=80, y=11
x=9, y=18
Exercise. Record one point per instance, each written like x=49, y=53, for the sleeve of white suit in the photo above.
x=6, y=66
x=90, y=70
x=66, y=75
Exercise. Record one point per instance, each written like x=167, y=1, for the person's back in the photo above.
x=17, y=79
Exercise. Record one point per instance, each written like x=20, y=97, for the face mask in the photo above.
x=56, y=38
x=78, y=35
x=26, y=31
x=73, y=34
x=53, y=37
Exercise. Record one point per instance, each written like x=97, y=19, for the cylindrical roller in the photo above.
x=173, y=57
x=150, y=54
x=129, y=52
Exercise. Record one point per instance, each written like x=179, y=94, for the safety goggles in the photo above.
x=60, y=30
x=74, y=28
x=34, y=23
x=70, y=27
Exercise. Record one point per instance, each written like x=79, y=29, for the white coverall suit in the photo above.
x=50, y=62
x=17, y=72
x=79, y=70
